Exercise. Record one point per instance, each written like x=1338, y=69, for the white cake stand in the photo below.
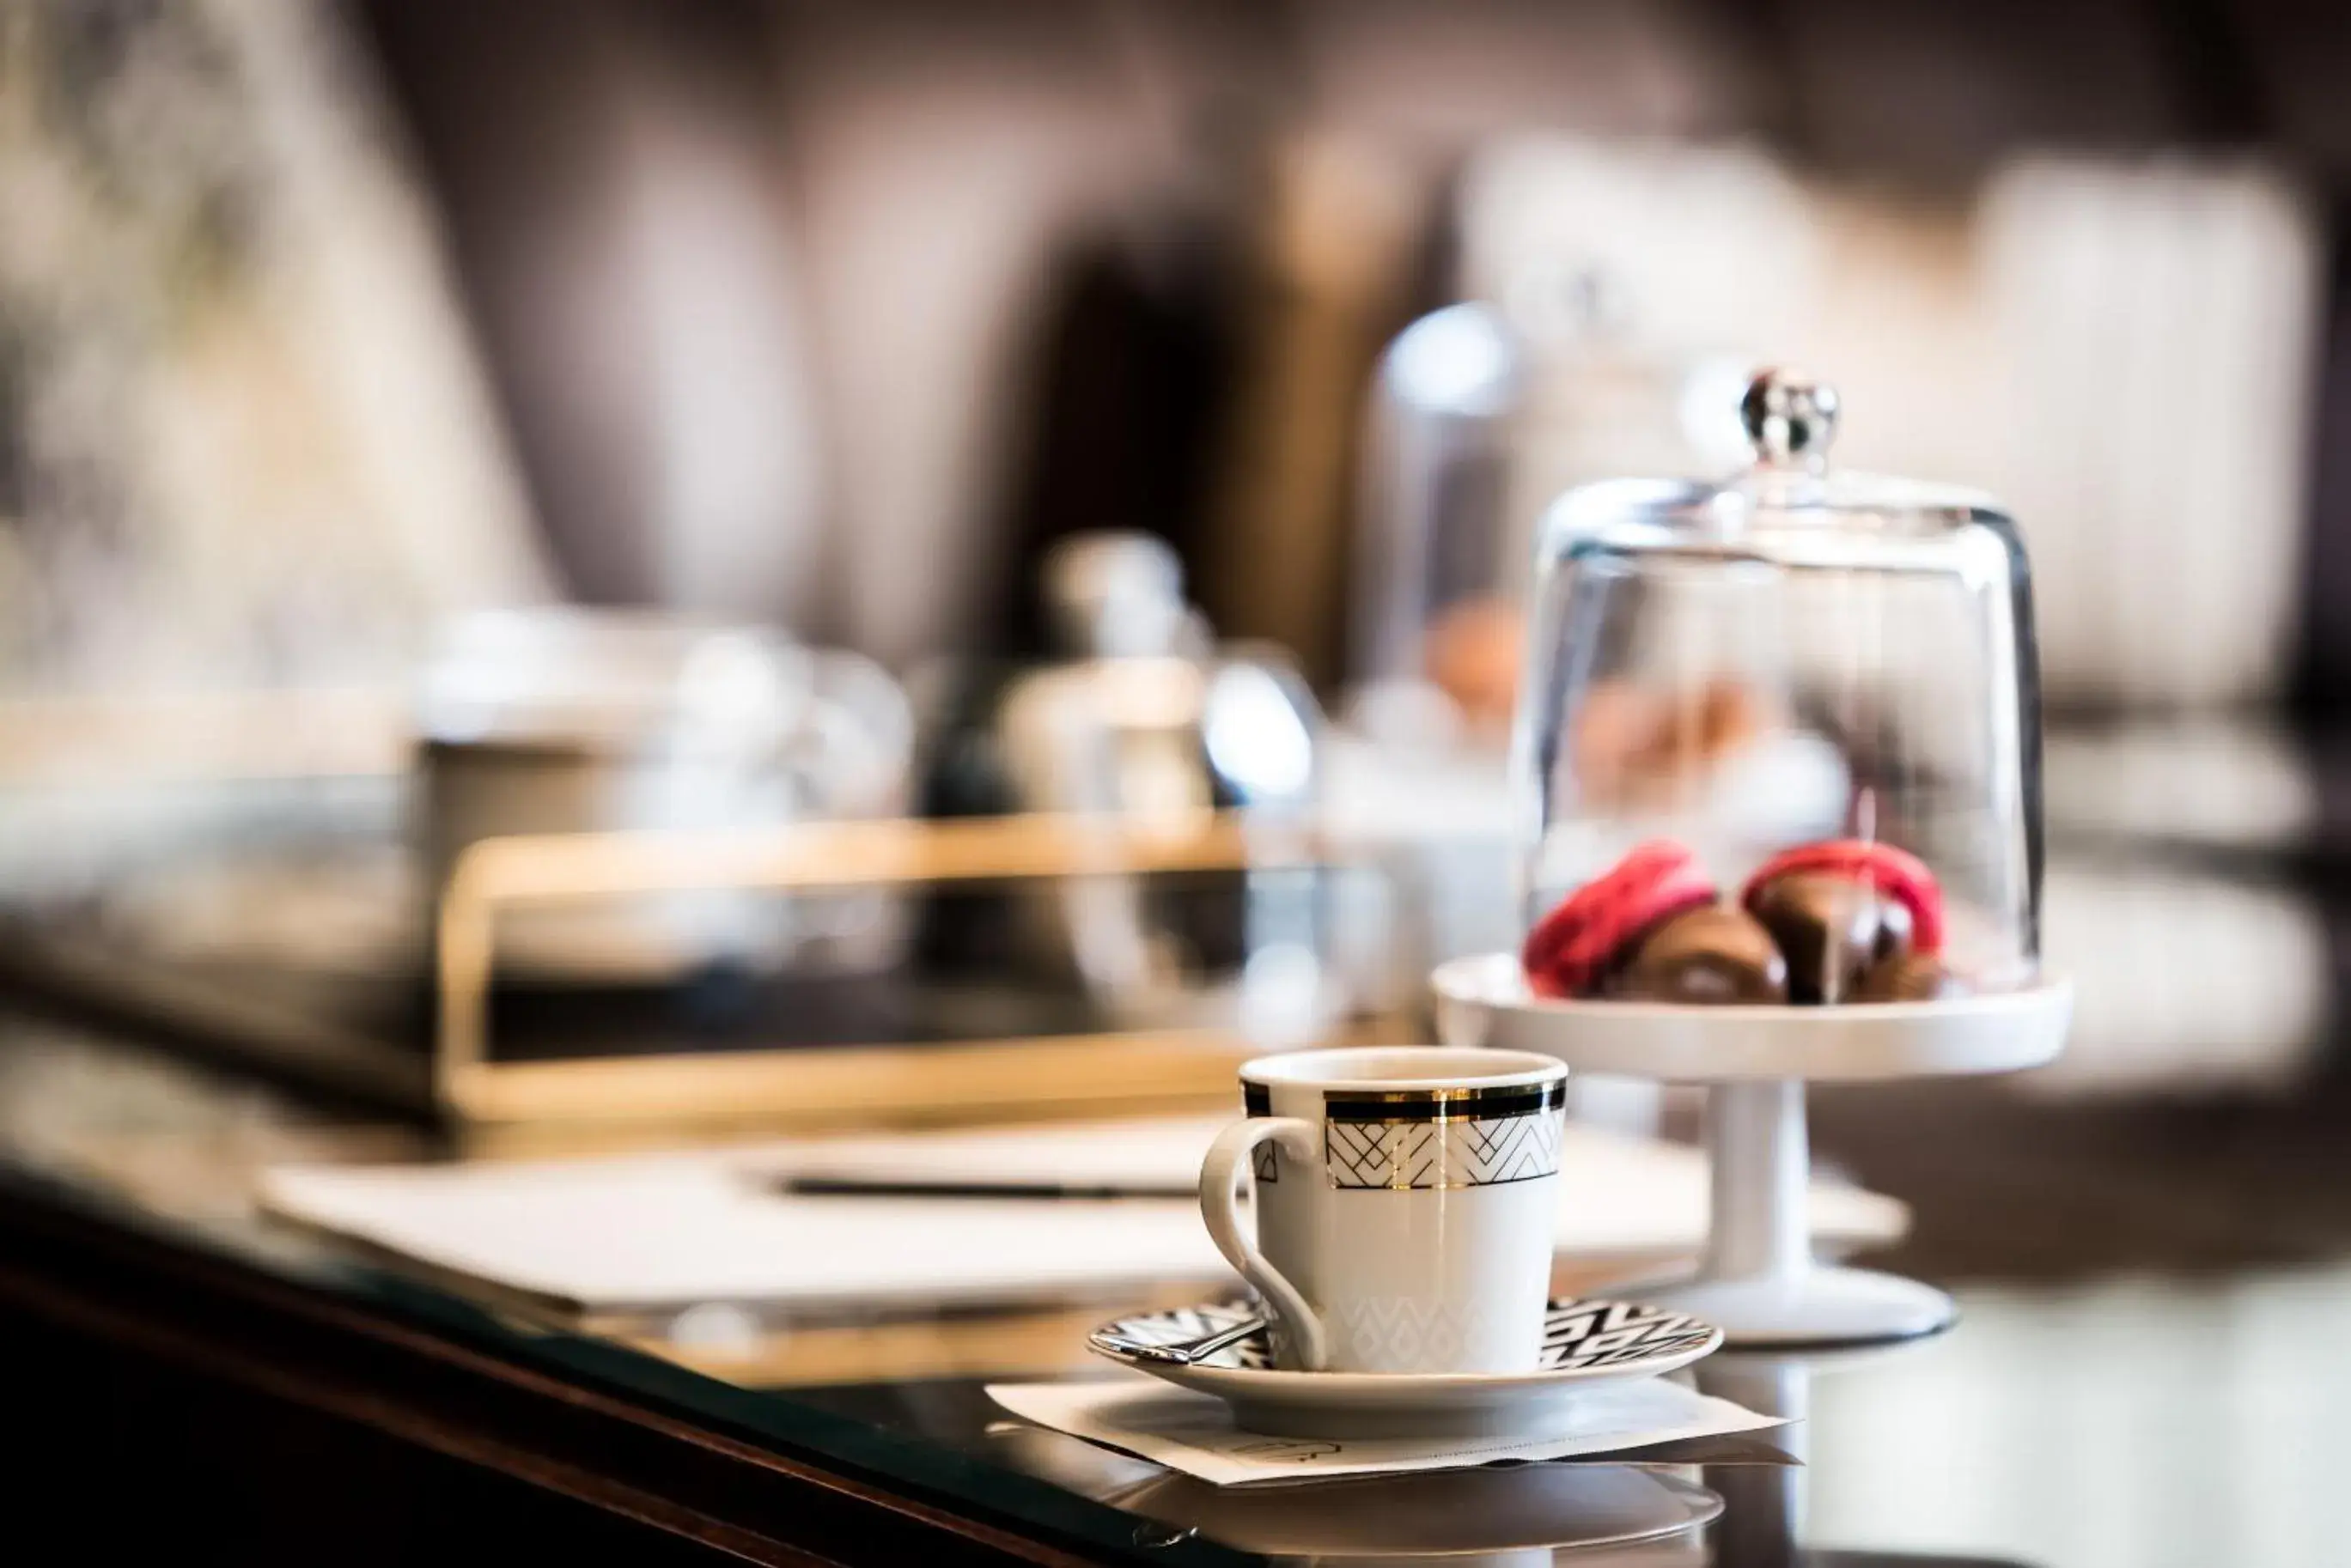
x=1757, y=1278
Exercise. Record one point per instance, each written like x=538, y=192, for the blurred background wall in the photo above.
x=320, y=320
x=781, y=298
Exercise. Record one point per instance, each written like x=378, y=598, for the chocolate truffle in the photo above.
x=1708, y=956
x=1909, y=977
x=1832, y=930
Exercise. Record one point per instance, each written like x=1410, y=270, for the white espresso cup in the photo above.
x=1406, y=1204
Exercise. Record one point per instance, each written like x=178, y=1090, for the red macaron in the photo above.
x=1573, y=949
x=1896, y=873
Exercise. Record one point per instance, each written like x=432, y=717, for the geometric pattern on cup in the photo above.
x=1403, y=1333
x=1420, y=1157
x=1264, y=1167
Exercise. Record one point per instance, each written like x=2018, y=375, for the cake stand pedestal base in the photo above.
x=1819, y=1306
x=1757, y=1281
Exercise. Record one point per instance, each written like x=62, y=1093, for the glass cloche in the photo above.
x=1777, y=745
x=1779, y=739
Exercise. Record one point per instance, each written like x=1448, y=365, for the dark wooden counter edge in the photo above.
x=218, y=1320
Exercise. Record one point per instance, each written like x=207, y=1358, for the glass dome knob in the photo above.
x=1790, y=418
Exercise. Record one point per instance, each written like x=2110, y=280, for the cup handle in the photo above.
x=1220, y=1174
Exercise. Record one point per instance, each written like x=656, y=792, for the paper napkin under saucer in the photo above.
x=1195, y=1433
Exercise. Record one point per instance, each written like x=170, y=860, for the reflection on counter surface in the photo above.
x=2160, y=1396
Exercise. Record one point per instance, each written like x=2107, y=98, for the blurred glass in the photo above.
x=1438, y=447
x=597, y=722
x=1481, y=414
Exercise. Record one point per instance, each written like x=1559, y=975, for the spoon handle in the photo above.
x=1196, y=1350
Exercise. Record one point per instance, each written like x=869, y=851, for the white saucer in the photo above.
x=1585, y=1342
x=1484, y=1001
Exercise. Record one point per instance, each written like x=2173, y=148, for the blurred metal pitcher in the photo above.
x=1143, y=718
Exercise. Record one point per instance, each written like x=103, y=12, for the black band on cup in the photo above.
x=1423, y=1105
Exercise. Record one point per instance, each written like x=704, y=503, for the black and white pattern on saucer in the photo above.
x=1609, y=1333
x=1416, y=1157
x=1578, y=1335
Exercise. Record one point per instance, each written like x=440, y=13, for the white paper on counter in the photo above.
x=1194, y=1432
x=650, y=1233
